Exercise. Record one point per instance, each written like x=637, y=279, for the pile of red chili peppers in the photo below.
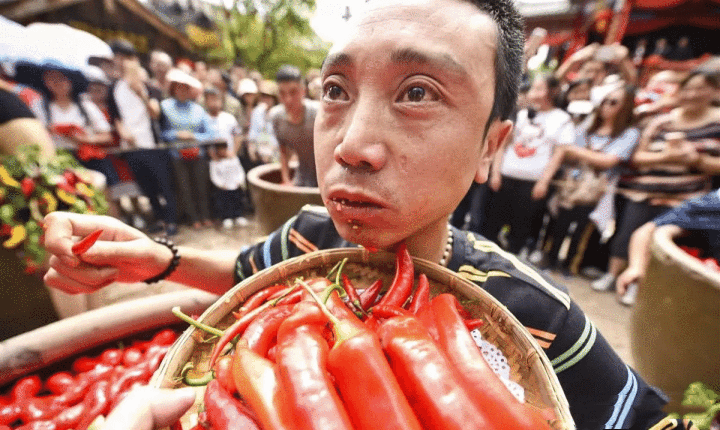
x=320, y=355
x=74, y=399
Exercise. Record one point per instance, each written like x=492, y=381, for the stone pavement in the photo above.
x=611, y=318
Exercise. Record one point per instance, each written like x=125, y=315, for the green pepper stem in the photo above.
x=197, y=324
x=342, y=329
x=195, y=382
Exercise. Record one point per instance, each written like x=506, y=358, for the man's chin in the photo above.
x=364, y=235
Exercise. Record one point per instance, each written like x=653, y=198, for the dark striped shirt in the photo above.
x=603, y=392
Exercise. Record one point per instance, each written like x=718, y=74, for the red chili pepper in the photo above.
x=402, y=285
x=223, y=373
x=38, y=425
x=301, y=368
x=474, y=323
x=224, y=411
x=59, y=382
x=177, y=425
x=27, y=185
x=70, y=177
x=372, y=323
x=381, y=311
x=96, y=403
x=370, y=294
x=489, y=393
x=27, y=387
x=38, y=409
x=304, y=314
x=257, y=299
x=292, y=298
x=164, y=337
x=85, y=243
x=427, y=377
x=132, y=356
x=77, y=392
x=111, y=357
x=357, y=351
x=9, y=413
x=84, y=364
x=262, y=332
x=69, y=417
x=236, y=329
x=422, y=295
x=351, y=292
x=258, y=385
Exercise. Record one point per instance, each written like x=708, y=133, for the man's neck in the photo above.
x=431, y=243
x=296, y=116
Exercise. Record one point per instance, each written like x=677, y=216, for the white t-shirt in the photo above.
x=227, y=173
x=96, y=122
x=134, y=115
x=261, y=133
x=227, y=127
x=533, y=141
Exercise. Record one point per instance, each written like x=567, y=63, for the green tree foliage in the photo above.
x=268, y=33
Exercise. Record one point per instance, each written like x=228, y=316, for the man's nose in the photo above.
x=363, y=143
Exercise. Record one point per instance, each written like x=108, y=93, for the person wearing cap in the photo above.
x=247, y=90
x=262, y=145
x=292, y=122
x=183, y=120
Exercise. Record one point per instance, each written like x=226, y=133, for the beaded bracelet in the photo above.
x=174, y=262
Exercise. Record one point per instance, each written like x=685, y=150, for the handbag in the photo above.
x=585, y=188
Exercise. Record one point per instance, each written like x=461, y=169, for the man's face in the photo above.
x=291, y=95
x=399, y=134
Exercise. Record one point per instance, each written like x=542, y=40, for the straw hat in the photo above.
x=177, y=75
x=269, y=88
x=247, y=86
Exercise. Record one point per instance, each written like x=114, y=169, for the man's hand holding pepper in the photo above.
x=122, y=254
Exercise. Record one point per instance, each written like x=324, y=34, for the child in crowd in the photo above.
x=226, y=173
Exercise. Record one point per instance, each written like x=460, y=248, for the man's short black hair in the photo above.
x=288, y=73
x=508, y=56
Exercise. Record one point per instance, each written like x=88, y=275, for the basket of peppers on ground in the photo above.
x=30, y=188
x=78, y=392
x=359, y=339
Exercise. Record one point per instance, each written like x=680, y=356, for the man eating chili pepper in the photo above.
x=415, y=102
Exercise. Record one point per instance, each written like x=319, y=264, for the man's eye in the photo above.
x=417, y=94
x=333, y=92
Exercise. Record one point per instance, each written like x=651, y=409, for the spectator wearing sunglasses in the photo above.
x=609, y=141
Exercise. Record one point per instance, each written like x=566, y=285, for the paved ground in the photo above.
x=611, y=318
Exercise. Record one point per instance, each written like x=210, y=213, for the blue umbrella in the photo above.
x=31, y=74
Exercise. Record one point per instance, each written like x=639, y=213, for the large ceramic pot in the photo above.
x=675, y=328
x=275, y=203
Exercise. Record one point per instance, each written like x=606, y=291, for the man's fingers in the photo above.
x=56, y=280
x=147, y=408
x=114, y=253
x=63, y=228
x=92, y=276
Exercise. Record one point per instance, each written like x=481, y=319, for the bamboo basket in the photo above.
x=529, y=366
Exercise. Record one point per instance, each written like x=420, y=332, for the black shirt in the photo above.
x=11, y=107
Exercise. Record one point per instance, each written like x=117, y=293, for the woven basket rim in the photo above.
x=537, y=360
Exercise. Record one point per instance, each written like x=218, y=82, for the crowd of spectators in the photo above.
x=600, y=148
x=185, y=133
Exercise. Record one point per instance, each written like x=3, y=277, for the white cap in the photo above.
x=177, y=75
x=247, y=86
x=95, y=74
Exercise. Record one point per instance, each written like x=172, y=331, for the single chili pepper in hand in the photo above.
x=257, y=299
x=474, y=324
x=486, y=389
x=381, y=311
x=427, y=377
x=357, y=351
x=351, y=292
x=85, y=243
x=422, y=295
x=370, y=294
x=402, y=285
x=59, y=382
x=258, y=384
x=262, y=332
x=224, y=411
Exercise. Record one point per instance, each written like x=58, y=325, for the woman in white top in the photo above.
x=77, y=125
x=538, y=129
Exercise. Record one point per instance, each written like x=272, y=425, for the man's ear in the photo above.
x=497, y=134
